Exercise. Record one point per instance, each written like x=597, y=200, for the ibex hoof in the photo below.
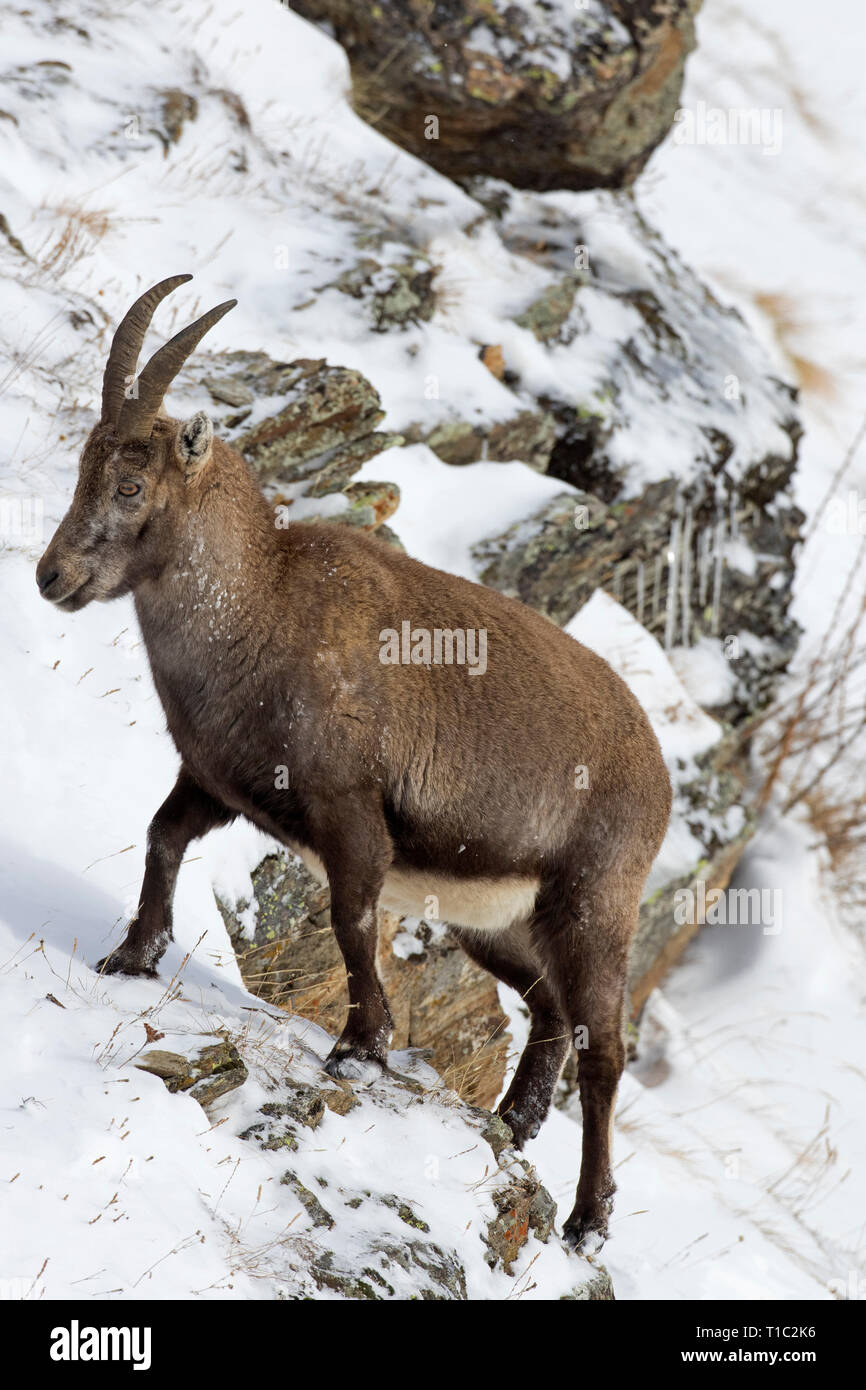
x=585, y=1231
x=523, y=1126
x=523, y=1130
x=125, y=963
x=350, y=1064
x=584, y=1240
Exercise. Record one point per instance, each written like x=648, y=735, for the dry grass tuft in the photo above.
x=792, y=327
x=80, y=231
x=813, y=741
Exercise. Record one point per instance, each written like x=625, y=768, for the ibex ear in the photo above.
x=192, y=445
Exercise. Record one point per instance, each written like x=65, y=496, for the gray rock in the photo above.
x=395, y=294
x=529, y=436
x=305, y=1104
x=434, y=1275
x=523, y=1206
x=272, y=1137
x=496, y=1132
x=339, y=1098
x=211, y=1073
x=548, y=315
x=385, y=1264
x=325, y=409
x=309, y=1201
x=231, y=390
x=405, y=1213
x=673, y=356
x=598, y=1288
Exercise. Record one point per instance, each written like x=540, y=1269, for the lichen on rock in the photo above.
x=212, y=1072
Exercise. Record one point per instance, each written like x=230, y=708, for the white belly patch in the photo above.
x=488, y=904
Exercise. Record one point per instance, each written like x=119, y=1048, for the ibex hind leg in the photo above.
x=582, y=933
x=509, y=956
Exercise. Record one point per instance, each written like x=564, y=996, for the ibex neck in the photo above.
x=224, y=555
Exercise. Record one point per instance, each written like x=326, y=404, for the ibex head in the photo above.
x=133, y=467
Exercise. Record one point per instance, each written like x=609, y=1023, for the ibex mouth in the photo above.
x=75, y=599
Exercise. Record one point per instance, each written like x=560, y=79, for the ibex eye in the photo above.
x=128, y=489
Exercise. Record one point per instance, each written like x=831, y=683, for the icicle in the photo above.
x=735, y=526
x=704, y=552
x=617, y=580
x=673, y=556
x=640, y=590
x=686, y=577
x=719, y=560
x=657, y=585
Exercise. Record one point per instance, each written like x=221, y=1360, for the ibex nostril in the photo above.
x=46, y=580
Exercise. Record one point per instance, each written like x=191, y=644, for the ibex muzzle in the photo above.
x=529, y=803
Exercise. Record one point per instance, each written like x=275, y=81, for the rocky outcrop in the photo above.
x=358, y=1215
x=358, y=1239
x=680, y=388
x=530, y=435
x=442, y=1003
x=306, y=428
x=295, y=421
x=522, y=1205
x=683, y=570
x=545, y=96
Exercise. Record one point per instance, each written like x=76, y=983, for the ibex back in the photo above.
x=530, y=799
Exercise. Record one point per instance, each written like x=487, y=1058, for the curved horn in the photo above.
x=126, y=345
x=137, y=415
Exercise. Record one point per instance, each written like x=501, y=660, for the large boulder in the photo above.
x=545, y=96
x=294, y=421
x=680, y=444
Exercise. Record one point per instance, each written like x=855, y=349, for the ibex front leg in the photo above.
x=356, y=850
x=187, y=813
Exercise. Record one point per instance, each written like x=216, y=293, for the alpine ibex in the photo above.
x=531, y=800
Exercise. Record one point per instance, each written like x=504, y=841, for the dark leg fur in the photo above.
x=509, y=956
x=582, y=933
x=356, y=851
x=186, y=814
